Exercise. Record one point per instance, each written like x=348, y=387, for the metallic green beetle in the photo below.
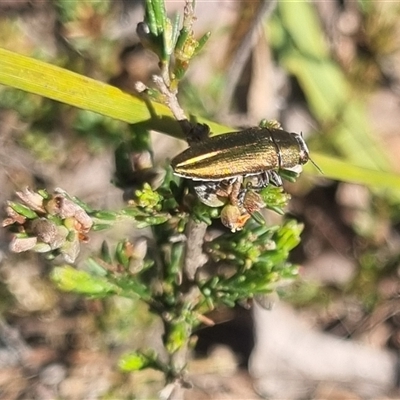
x=249, y=152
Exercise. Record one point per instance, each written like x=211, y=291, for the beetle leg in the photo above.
x=224, y=188
x=262, y=180
x=275, y=178
x=255, y=182
x=236, y=189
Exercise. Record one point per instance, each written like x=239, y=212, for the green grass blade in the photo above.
x=334, y=168
x=68, y=87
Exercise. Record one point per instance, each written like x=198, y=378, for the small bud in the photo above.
x=32, y=199
x=44, y=230
x=232, y=217
x=13, y=218
x=18, y=245
x=22, y=210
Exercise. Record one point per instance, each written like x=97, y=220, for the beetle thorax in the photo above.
x=304, y=154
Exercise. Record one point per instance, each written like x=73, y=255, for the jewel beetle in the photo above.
x=248, y=152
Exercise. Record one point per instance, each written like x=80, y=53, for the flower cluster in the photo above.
x=47, y=223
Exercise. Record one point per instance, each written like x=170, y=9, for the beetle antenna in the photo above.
x=316, y=166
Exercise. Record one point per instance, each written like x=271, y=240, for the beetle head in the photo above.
x=304, y=153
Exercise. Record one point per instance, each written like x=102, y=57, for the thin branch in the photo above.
x=194, y=257
x=170, y=97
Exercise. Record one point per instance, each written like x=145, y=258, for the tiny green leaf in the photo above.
x=23, y=210
x=177, y=336
x=105, y=215
x=133, y=362
x=70, y=279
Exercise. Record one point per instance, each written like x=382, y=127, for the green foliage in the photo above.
x=259, y=255
x=241, y=265
x=252, y=261
x=137, y=361
x=70, y=279
x=163, y=37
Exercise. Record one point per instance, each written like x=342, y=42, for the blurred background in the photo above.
x=328, y=69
